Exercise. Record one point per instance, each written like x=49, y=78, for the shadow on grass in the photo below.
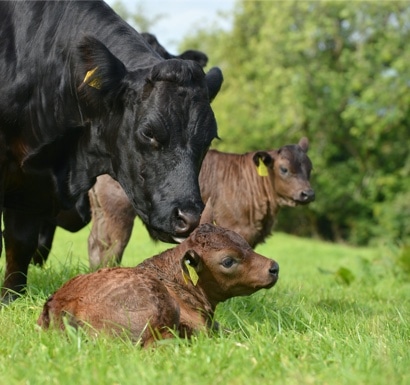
x=343, y=307
x=262, y=312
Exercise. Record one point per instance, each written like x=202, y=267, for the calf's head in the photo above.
x=289, y=170
x=224, y=265
x=157, y=129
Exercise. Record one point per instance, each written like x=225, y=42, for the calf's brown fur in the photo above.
x=244, y=192
x=176, y=290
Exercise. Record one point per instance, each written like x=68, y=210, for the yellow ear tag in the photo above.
x=262, y=169
x=95, y=83
x=186, y=278
x=193, y=275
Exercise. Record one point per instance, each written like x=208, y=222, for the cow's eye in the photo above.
x=147, y=136
x=228, y=262
x=283, y=170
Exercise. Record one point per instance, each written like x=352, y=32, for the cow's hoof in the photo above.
x=8, y=296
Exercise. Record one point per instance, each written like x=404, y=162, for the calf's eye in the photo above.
x=228, y=262
x=283, y=170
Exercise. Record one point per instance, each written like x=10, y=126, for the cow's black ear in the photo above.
x=214, y=79
x=304, y=144
x=99, y=69
x=197, y=56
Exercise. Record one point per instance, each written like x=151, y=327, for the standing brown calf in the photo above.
x=244, y=192
x=176, y=290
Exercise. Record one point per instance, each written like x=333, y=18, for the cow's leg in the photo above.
x=20, y=240
x=70, y=220
x=1, y=231
x=2, y=189
x=45, y=241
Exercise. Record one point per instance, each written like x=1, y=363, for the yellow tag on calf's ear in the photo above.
x=262, y=169
x=184, y=276
x=193, y=275
x=95, y=83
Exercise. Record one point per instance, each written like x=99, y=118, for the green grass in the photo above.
x=338, y=315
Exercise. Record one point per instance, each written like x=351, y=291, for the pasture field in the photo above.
x=338, y=315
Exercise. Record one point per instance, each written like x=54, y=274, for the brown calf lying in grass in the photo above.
x=173, y=292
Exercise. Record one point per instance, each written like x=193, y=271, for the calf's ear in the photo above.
x=192, y=259
x=191, y=265
x=263, y=161
x=99, y=70
x=304, y=144
x=214, y=79
x=207, y=214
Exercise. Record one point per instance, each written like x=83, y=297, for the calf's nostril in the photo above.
x=307, y=196
x=274, y=269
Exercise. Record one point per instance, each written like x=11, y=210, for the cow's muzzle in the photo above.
x=185, y=222
x=181, y=222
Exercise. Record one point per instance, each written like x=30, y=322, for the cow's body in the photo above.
x=176, y=290
x=82, y=94
x=236, y=197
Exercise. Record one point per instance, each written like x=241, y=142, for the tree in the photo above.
x=338, y=73
x=137, y=18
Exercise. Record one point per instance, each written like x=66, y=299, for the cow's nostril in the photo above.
x=185, y=221
x=274, y=269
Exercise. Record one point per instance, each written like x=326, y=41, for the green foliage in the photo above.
x=337, y=72
x=137, y=17
x=309, y=329
x=404, y=260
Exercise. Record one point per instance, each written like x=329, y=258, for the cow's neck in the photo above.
x=88, y=159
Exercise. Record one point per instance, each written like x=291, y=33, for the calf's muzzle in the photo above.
x=274, y=270
x=306, y=196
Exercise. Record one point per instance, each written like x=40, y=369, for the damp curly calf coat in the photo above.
x=173, y=292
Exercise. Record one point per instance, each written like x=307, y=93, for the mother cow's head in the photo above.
x=157, y=128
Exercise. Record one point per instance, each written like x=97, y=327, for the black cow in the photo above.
x=79, y=216
x=82, y=94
